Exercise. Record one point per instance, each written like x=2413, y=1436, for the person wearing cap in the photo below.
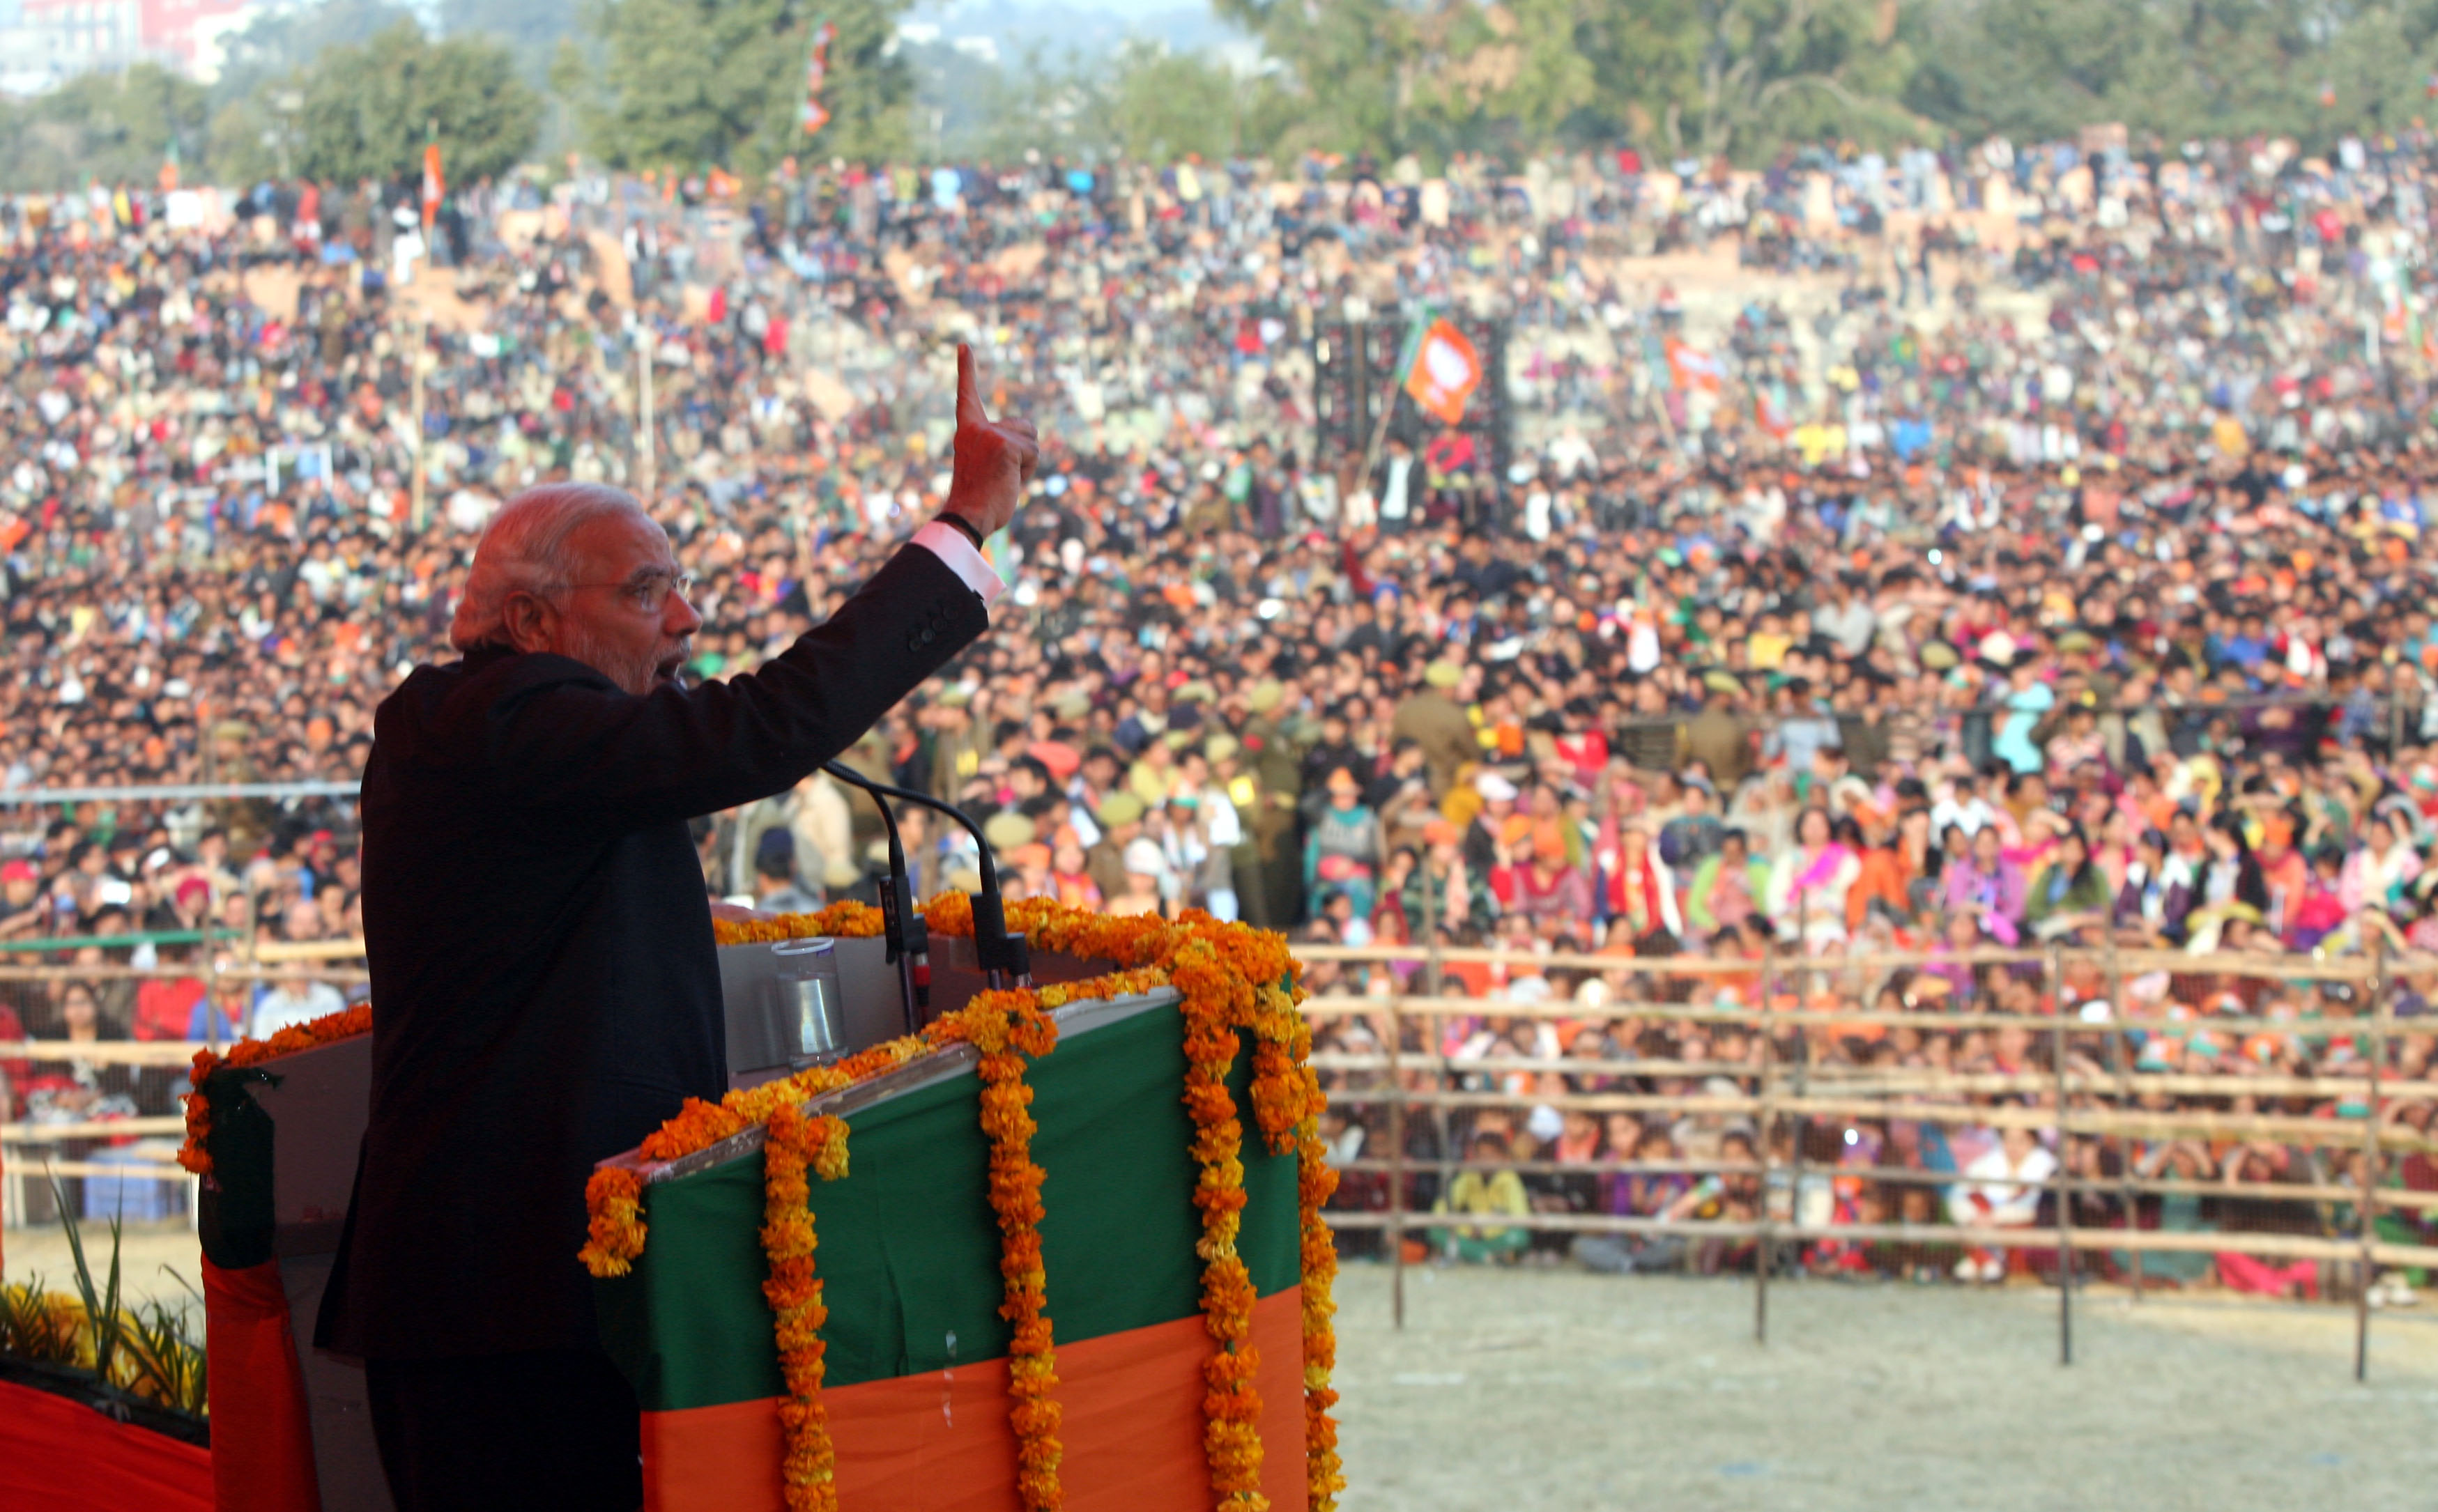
x=544, y=977
x=1433, y=717
x=1719, y=738
x=1494, y=826
x=1342, y=848
x=1119, y=820
x=22, y=908
x=774, y=875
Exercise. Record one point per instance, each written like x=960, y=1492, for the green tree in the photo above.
x=1353, y=73
x=368, y=110
x=1162, y=105
x=2041, y=68
x=688, y=83
x=114, y=128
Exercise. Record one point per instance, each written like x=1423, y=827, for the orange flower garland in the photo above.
x=1230, y=978
x=330, y=1027
x=808, y=1473
x=845, y=920
x=1231, y=1436
x=1006, y=1028
x=612, y=1200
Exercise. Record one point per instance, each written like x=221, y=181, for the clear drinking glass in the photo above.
x=812, y=1011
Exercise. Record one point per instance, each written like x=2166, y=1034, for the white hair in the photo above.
x=524, y=550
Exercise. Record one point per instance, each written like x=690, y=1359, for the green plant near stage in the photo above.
x=143, y=1352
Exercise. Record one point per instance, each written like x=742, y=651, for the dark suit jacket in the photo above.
x=543, y=985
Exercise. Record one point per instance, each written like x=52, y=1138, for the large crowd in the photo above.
x=2006, y=545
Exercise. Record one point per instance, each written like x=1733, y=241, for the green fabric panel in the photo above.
x=909, y=1248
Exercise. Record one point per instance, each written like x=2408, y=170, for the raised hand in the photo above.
x=994, y=459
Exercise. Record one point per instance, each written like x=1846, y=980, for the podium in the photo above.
x=910, y=1257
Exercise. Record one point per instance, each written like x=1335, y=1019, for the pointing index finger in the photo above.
x=969, y=397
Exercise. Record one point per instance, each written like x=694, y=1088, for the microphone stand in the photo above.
x=901, y=924
x=1004, y=958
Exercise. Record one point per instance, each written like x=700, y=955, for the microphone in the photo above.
x=901, y=924
x=1004, y=958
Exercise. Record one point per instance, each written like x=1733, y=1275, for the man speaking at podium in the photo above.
x=544, y=984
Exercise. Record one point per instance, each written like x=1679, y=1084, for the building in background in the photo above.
x=52, y=41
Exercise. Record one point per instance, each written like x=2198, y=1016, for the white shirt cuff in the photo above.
x=950, y=545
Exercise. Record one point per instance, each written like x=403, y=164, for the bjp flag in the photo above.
x=434, y=185
x=1444, y=372
x=1690, y=368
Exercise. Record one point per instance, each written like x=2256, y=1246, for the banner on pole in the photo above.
x=1443, y=372
x=814, y=115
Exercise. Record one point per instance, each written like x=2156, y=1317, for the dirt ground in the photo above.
x=1522, y=1391
x=1555, y=1391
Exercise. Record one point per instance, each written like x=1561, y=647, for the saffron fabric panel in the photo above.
x=940, y=1441
x=262, y=1437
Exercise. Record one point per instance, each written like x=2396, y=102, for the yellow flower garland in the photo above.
x=808, y=1472
x=614, y=1227
x=1230, y=978
x=1006, y=1028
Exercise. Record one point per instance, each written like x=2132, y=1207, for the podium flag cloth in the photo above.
x=58, y=1455
x=916, y=1383
x=262, y=1437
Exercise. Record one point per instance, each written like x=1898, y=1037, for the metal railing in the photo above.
x=1786, y=1085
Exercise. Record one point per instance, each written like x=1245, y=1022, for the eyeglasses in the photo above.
x=648, y=593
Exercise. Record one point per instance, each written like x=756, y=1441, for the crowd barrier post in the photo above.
x=1806, y=983
x=2120, y=1050
x=1434, y=1041
x=1765, y=1257
x=1397, y=1157
x=2065, y=1157
x=2366, y=1208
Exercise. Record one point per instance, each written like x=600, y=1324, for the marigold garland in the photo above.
x=330, y=1027
x=809, y=1471
x=614, y=1227
x=1230, y=978
x=1007, y=1027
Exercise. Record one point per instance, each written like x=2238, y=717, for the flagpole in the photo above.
x=1388, y=399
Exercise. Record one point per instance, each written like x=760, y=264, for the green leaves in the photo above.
x=368, y=110
x=116, y=127
x=688, y=85
x=144, y=1354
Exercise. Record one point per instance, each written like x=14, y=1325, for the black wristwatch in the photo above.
x=972, y=534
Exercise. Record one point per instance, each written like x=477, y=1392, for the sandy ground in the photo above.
x=1549, y=1390
x=1554, y=1391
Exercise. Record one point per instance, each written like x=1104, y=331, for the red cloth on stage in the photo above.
x=58, y=1455
x=262, y=1438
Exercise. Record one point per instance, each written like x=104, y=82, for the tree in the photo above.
x=532, y=29
x=368, y=109
x=1163, y=105
x=691, y=84
x=2191, y=68
x=1352, y=72
x=114, y=128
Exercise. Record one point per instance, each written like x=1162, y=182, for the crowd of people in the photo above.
x=1991, y=548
